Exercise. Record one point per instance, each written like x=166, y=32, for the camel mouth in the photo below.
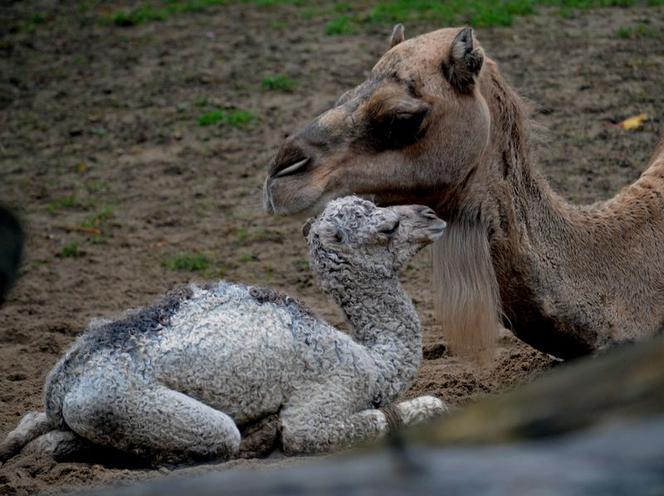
x=268, y=206
x=292, y=168
x=431, y=233
x=428, y=226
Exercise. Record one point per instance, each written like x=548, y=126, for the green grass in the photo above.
x=278, y=82
x=301, y=265
x=271, y=3
x=246, y=236
x=278, y=24
x=136, y=16
x=201, y=102
x=69, y=201
x=477, y=13
x=480, y=13
x=71, y=250
x=189, y=262
x=639, y=31
x=233, y=118
x=30, y=24
x=98, y=218
x=246, y=258
x=341, y=24
x=162, y=10
x=241, y=234
x=37, y=18
x=347, y=17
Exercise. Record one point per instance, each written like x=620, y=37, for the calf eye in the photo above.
x=389, y=229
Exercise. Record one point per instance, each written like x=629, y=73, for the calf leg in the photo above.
x=150, y=421
x=420, y=409
x=320, y=425
x=260, y=438
x=67, y=446
x=62, y=446
x=31, y=426
x=313, y=427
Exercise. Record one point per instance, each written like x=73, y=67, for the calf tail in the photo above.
x=32, y=425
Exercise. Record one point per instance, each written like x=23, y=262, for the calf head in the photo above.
x=355, y=234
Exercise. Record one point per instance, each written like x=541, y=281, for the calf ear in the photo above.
x=397, y=35
x=465, y=61
x=307, y=227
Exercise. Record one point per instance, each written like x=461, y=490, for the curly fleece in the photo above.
x=180, y=380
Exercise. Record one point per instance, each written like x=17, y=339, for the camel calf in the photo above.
x=226, y=370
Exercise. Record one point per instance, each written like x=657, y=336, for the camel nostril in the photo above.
x=290, y=159
x=427, y=213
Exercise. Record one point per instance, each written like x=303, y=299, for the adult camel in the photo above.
x=435, y=123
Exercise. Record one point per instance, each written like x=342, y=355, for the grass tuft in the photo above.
x=149, y=13
x=480, y=13
x=349, y=16
x=477, y=13
x=341, y=24
x=69, y=201
x=278, y=82
x=189, y=262
x=98, y=218
x=139, y=15
x=639, y=31
x=234, y=118
x=71, y=250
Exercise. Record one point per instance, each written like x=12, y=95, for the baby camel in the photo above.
x=181, y=380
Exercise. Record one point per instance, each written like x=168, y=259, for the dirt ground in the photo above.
x=101, y=152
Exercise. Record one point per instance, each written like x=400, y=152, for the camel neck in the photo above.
x=384, y=320
x=515, y=199
x=379, y=311
x=531, y=230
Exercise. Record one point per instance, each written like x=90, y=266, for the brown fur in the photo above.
x=571, y=279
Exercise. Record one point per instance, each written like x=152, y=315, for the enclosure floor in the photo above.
x=99, y=131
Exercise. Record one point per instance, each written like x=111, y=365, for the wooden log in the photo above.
x=594, y=427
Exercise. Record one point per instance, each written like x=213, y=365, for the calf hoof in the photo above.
x=420, y=409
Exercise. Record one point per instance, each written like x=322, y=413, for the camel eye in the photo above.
x=400, y=129
x=406, y=126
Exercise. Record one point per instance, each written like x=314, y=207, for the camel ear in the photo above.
x=465, y=61
x=397, y=35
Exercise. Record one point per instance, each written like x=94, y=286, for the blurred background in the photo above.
x=135, y=136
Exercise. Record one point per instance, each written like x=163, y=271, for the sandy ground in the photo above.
x=100, y=147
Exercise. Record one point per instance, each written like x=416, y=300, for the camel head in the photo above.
x=368, y=240
x=413, y=132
